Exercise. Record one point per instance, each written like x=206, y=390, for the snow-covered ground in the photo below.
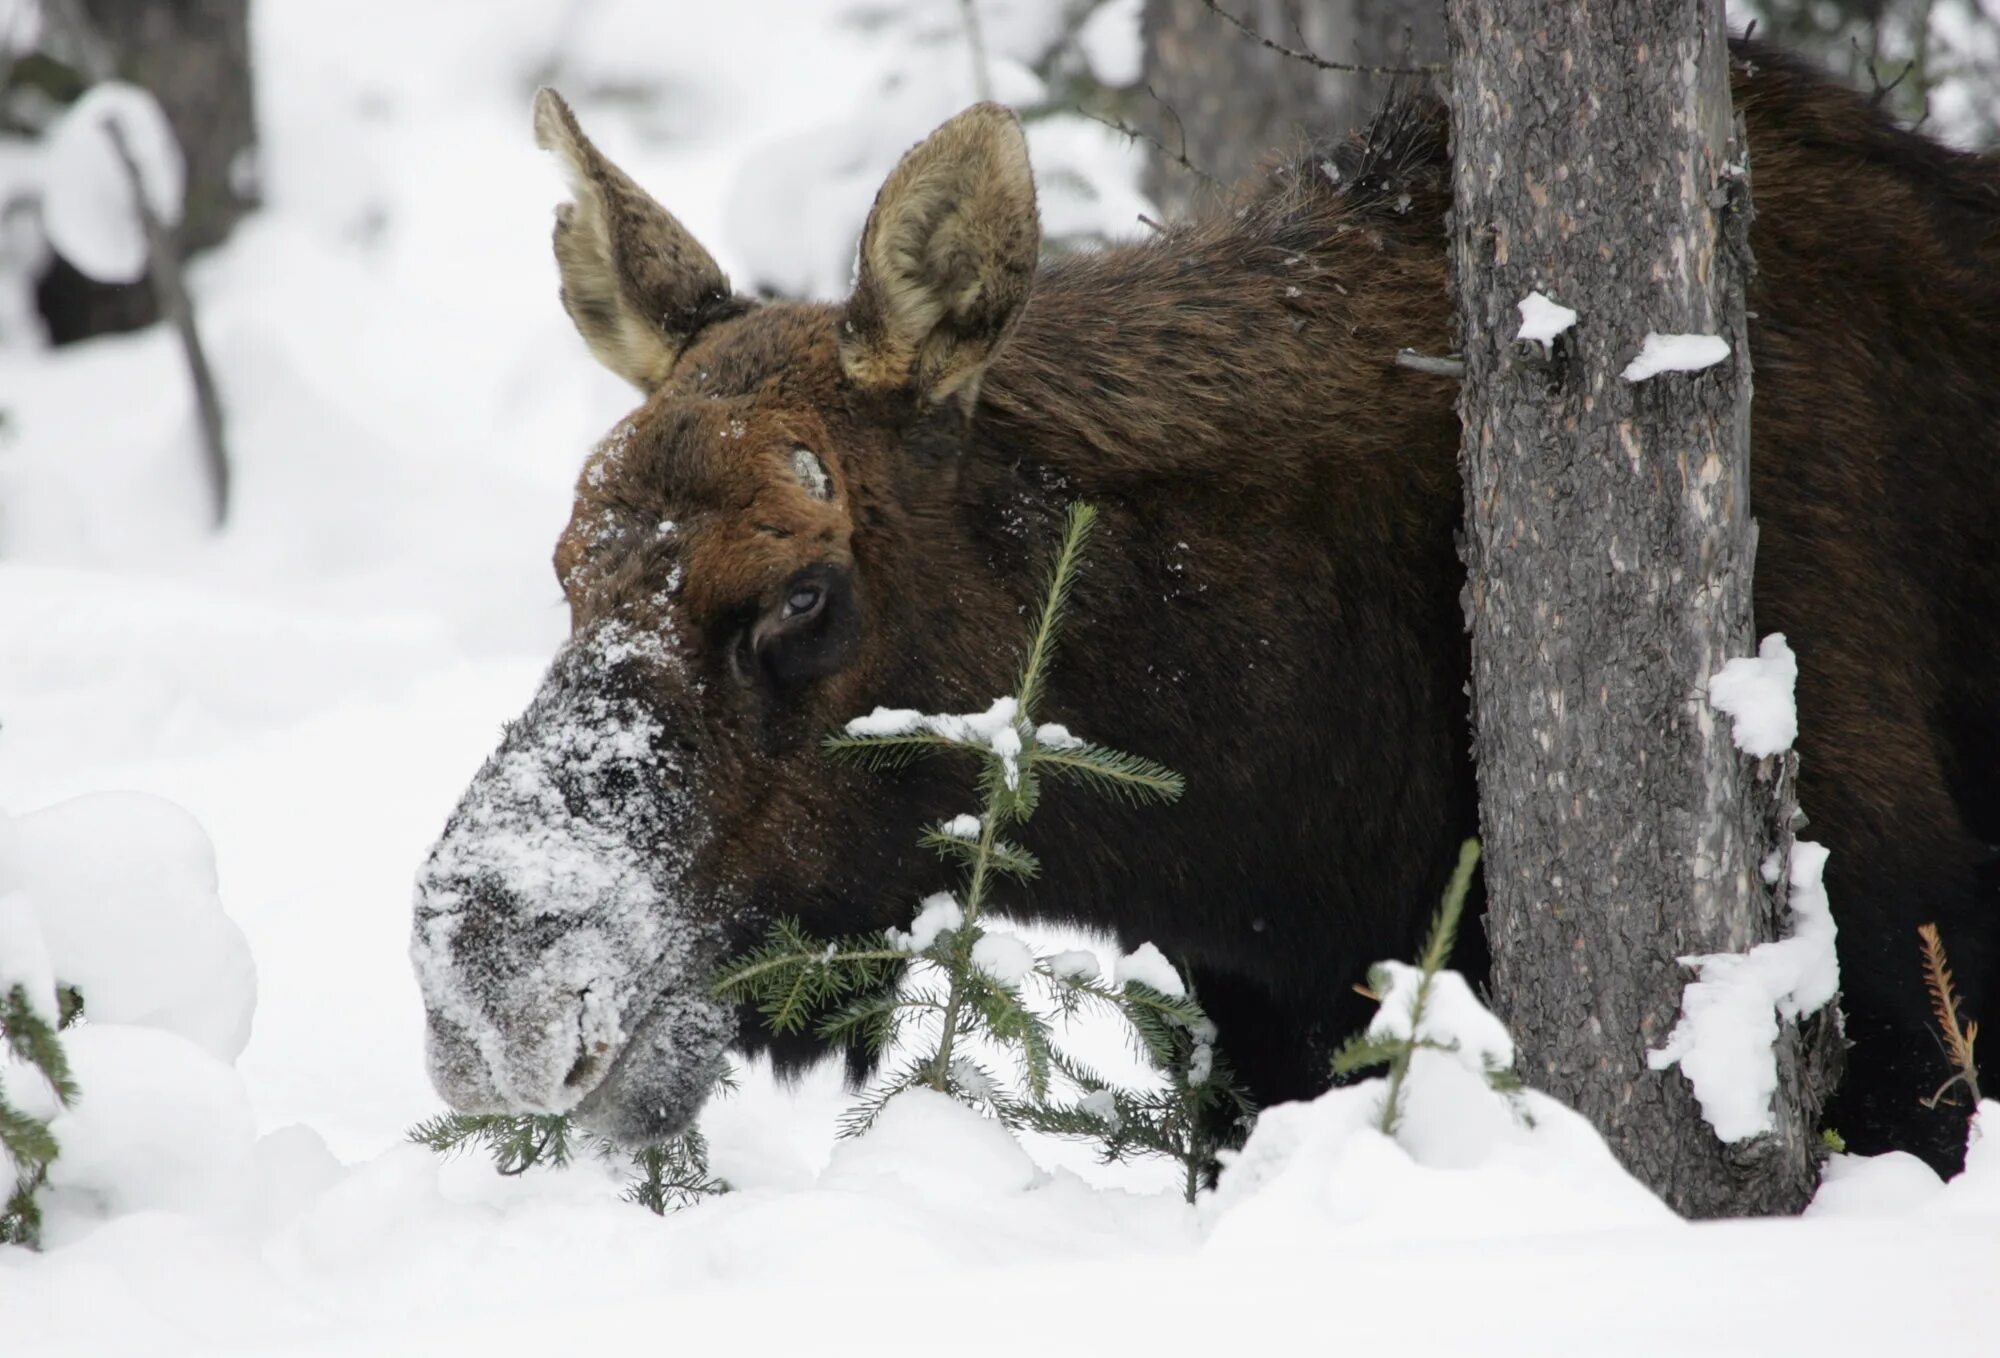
x=407, y=406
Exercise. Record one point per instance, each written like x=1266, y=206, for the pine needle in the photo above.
x=1958, y=1036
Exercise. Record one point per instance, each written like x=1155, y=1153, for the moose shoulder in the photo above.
x=818, y=509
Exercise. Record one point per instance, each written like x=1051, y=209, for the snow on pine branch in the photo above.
x=1675, y=354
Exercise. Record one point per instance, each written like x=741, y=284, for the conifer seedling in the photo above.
x=950, y=979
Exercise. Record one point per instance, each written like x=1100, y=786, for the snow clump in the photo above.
x=1757, y=693
x=87, y=205
x=940, y=913
x=1675, y=354
x=1148, y=966
x=1730, y=1011
x=1542, y=320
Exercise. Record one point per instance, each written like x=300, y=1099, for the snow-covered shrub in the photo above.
x=110, y=899
x=1366, y=1157
x=954, y=979
x=32, y=1013
x=1428, y=1010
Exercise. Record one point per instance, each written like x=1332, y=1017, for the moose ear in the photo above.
x=635, y=282
x=947, y=259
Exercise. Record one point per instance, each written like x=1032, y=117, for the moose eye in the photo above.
x=809, y=630
x=811, y=473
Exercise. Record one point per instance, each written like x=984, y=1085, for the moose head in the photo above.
x=762, y=549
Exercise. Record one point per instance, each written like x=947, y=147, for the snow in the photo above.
x=316, y=687
x=1149, y=967
x=124, y=894
x=24, y=957
x=1730, y=1011
x=87, y=204
x=962, y=827
x=158, y=1124
x=1757, y=695
x=1542, y=320
x=939, y=914
x=1004, y=957
x=1675, y=354
x=998, y=728
x=546, y=924
x=1074, y=964
x=1055, y=736
x=887, y=721
x=1110, y=42
x=1451, y=1014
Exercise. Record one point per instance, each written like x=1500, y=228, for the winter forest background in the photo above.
x=223, y=753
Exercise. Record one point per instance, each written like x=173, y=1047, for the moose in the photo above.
x=817, y=509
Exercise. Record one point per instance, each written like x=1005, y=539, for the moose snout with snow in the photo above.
x=817, y=509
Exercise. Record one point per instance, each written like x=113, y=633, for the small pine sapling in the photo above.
x=968, y=982
x=27, y=1147
x=667, y=1175
x=1390, y=1044
x=1957, y=1034
x=1198, y=1112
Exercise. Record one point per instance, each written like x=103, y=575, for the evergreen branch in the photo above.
x=27, y=1145
x=1137, y=780
x=869, y=1021
x=1055, y=602
x=33, y=1040
x=885, y=753
x=1365, y=1050
x=1958, y=1037
x=1444, y=928
x=790, y=977
x=1004, y=856
x=673, y=1174
x=518, y=1141
x=1362, y=1052
x=862, y=1115
x=26, y=1139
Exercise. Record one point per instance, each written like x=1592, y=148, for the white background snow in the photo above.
x=275, y=724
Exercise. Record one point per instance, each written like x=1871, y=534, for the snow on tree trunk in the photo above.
x=1235, y=100
x=1609, y=545
x=194, y=57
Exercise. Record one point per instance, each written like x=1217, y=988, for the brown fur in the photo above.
x=1272, y=603
x=947, y=259
x=634, y=281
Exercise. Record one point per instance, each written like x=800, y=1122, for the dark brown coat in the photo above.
x=1271, y=605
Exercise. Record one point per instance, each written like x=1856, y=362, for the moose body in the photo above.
x=819, y=509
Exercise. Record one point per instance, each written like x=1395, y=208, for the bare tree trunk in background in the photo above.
x=1609, y=544
x=1235, y=100
x=194, y=55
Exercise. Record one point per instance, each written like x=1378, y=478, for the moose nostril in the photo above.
x=585, y=1070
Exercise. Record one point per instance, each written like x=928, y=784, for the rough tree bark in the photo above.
x=1234, y=100
x=1609, y=546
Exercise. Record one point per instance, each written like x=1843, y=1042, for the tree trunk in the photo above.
x=194, y=56
x=1609, y=545
x=1232, y=99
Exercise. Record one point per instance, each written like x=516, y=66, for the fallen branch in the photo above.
x=164, y=259
x=1426, y=363
x=171, y=291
